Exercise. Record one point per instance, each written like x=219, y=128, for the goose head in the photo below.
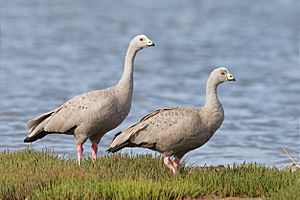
x=221, y=75
x=141, y=41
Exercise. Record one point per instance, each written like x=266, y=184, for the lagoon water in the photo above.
x=54, y=50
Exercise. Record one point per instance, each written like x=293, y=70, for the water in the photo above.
x=54, y=50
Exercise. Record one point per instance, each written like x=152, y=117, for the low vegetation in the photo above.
x=29, y=174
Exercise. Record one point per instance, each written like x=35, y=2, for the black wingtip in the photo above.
x=26, y=140
x=30, y=139
x=112, y=149
x=108, y=150
x=36, y=137
x=117, y=148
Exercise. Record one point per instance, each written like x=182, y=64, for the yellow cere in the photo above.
x=229, y=76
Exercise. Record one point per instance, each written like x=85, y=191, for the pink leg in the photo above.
x=176, y=163
x=169, y=164
x=94, y=151
x=79, y=153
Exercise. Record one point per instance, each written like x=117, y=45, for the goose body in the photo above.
x=92, y=114
x=176, y=131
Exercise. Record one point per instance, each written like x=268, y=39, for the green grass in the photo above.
x=43, y=175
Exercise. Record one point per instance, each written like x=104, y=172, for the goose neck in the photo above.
x=213, y=109
x=211, y=94
x=127, y=76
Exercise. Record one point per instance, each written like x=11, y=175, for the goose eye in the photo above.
x=141, y=39
x=223, y=73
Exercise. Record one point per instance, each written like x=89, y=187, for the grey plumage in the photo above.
x=176, y=131
x=91, y=115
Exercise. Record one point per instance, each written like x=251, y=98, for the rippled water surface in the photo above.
x=54, y=50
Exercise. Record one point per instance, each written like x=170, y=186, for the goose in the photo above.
x=90, y=115
x=175, y=131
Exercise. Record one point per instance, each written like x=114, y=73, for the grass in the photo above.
x=43, y=175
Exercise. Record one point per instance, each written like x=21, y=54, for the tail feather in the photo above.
x=35, y=127
x=119, y=142
x=123, y=139
x=32, y=124
x=117, y=134
x=117, y=147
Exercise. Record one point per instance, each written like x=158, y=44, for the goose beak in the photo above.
x=150, y=43
x=230, y=77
